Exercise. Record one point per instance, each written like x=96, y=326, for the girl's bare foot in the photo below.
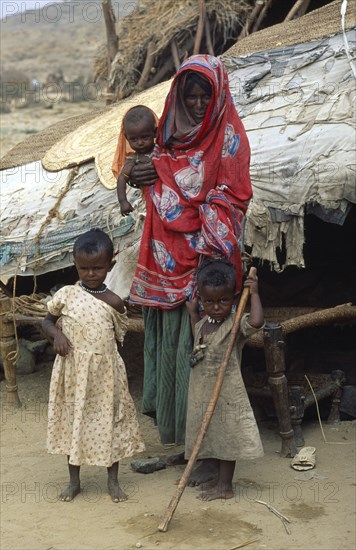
x=219, y=491
x=70, y=492
x=117, y=494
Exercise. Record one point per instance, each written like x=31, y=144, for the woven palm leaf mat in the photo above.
x=98, y=138
x=94, y=135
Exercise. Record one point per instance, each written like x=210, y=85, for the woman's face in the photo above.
x=197, y=101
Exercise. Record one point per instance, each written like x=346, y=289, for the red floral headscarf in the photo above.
x=197, y=204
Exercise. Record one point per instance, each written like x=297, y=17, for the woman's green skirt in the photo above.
x=168, y=344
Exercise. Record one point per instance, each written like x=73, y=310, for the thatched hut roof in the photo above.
x=149, y=30
x=316, y=24
x=322, y=22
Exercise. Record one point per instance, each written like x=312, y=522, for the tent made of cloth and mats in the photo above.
x=296, y=104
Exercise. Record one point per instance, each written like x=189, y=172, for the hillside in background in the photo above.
x=59, y=37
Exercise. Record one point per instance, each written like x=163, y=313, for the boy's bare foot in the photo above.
x=206, y=471
x=70, y=492
x=219, y=491
x=117, y=494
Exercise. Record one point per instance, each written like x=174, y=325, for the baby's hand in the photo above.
x=125, y=208
x=252, y=284
x=61, y=344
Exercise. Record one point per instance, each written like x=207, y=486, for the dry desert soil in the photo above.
x=319, y=503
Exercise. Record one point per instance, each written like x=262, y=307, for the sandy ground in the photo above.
x=321, y=509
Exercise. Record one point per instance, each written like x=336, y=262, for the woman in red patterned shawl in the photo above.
x=194, y=210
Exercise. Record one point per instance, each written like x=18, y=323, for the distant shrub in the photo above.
x=4, y=107
x=14, y=85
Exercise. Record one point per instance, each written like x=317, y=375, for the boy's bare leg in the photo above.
x=223, y=487
x=73, y=488
x=207, y=470
x=117, y=494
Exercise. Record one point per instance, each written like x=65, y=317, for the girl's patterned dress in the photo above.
x=91, y=414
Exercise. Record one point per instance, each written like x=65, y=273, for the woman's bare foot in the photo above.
x=117, y=494
x=176, y=459
x=219, y=491
x=70, y=492
x=208, y=485
x=206, y=471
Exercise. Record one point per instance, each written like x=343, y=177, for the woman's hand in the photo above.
x=193, y=310
x=143, y=174
x=193, y=306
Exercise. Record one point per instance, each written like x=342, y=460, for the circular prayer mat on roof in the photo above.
x=97, y=139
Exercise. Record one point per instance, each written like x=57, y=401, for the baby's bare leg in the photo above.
x=223, y=488
x=73, y=488
x=117, y=494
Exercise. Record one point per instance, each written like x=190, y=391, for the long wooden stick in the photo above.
x=175, y=54
x=166, y=518
x=200, y=27
x=209, y=42
x=146, y=71
x=112, y=40
x=250, y=19
x=261, y=16
x=297, y=6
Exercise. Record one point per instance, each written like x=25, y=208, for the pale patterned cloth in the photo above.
x=233, y=433
x=91, y=415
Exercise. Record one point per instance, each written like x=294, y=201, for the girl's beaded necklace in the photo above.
x=102, y=289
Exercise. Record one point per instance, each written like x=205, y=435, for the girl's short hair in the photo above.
x=138, y=113
x=216, y=273
x=93, y=241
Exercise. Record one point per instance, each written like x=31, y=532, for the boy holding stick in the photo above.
x=233, y=432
